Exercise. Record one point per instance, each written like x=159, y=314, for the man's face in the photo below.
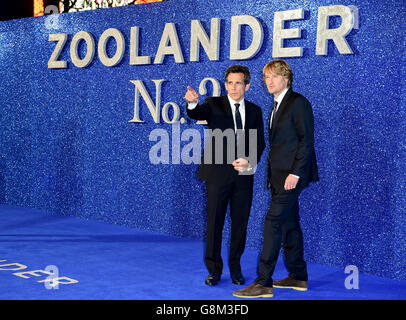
x=275, y=83
x=236, y=87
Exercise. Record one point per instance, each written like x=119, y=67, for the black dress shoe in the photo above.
x=237, y=278
x=212, y=279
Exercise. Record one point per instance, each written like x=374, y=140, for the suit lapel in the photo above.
x=283, y=105
x=281, y=108
x=227, y=110
x=226, y=106
x=248, y=114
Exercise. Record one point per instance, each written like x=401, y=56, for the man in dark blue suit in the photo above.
x=236, y=143
x=291, y=167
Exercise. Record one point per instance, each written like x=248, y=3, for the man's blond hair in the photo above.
x=280, y=67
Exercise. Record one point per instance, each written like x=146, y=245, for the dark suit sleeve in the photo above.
x=260, y=136
x=201, y=111
x=304, y=124
x=259, y=142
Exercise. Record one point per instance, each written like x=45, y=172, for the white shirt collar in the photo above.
x=241, y=108
x=232, y=103
x=281, y=96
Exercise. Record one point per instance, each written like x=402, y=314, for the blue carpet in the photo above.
x=120, y=263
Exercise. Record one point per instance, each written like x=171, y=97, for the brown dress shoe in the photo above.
x=255, y=290
x=289, y=283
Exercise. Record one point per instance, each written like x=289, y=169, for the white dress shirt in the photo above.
x=241, y=108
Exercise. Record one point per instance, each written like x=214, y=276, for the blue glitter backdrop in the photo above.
x=67, y=145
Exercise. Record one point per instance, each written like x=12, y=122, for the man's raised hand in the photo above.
x=191, y=95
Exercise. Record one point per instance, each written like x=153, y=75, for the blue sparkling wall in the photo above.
x=67, y=146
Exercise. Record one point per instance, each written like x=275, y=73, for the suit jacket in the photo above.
x=291, y=142
x=218, y=114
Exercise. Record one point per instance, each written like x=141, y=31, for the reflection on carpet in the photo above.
x=94, y=260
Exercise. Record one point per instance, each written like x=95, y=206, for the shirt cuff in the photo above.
x=191, y=106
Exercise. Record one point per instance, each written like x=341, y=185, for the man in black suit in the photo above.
x=291, y=167
x=236, y=142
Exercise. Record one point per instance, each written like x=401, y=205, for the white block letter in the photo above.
x=134, y=49
x=169, y=35
x=12, y=266
x=82, y=35
x=101, y=49
x=280, y=33
x=53, y=62
x=198, y=35
x=153, y=109
x=257, y=37
x=337, y=35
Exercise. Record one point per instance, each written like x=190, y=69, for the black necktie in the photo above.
x=274, y=109
x=238, y=120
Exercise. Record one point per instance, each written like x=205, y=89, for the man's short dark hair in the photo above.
x=239, y=69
